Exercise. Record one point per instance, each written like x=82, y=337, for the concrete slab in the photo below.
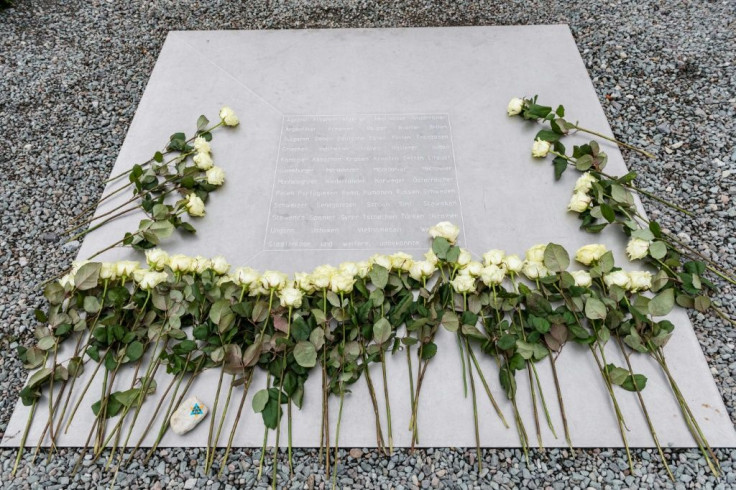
x=443, y=92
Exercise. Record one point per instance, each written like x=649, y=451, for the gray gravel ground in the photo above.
x=71, y=76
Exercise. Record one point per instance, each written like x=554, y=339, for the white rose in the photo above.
x=446, y=230
x=534, y=270
x=364, y=267
x=579, y=202
x=401, y=261
x=194, y=205
x=200, y=264
x=201, y=145
x=640, y=281
x=513, y=263
x=349, y=268
x=473, y=268
x=540, y=148
x=290, y=297
x=463, y=283
x=492, y=275
x=382, y=260
x=516, y=105
x=156, y=258
x=220, y=265
x=150, y=279
x=617, y=278
x=181, y=263
x=273, y=280
x=125, y=268
x=203, y=161
x=464, y=258
x=585, y=183
x=431, y=257
x=304, y=282
x=342, y=283
x=320, y=280
x=215, y=176
x=77, y=264
x=582, y=278
x=257, y=289
x=536, y=253
x=637, y=248
x=108, y=270
x=493, y=257
x=245, y=276
x=228, y=117
x=590, y=253
x=422, y=269
x=67, y=280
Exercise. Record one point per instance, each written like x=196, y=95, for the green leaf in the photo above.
x=46, y=343
x=560, y=165
x=657, y=249
x=662, y=303
x=440, y=247
x=158, y=157
x=91, y=304
x=595, y=309
x=506, y=342
x=87, y=276
x=381, y=331
x=450, y=321
x=202, y=123
x=556, y=258
x=259, y=401
x=379, y=276
x=429, y=350
x=134, y=350
x=305, y=354
x=637, y=382
x=701, y=303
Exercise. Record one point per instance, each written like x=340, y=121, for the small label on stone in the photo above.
x=190, y=413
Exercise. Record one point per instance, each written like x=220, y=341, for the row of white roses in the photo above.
x=494, y=268
x=214, y=175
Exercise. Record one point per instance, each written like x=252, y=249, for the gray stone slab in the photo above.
x=442, y=92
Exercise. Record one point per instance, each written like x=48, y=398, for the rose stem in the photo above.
x=25, y=436
x=487, y=388
x=558, y=388
x=337, y=438
x=278, y=404
x=219, y=427
x=246, y=385
x=614, y=140
x=265, y=435
x=644, y=408
x=542, y=400
x=415, y=412
x=388, y=403
x=475, y=406
x=374, y=401
x=51, y=408
x=411, y=377
x=84, y=391
x=213, y=419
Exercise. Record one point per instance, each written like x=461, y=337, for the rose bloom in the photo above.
x=513, y=263
x=364, y=267
x=194, y=205
x=640, y=281
x=473, y=268
x=585, y=183
x=464, y=258
x=273, y=280
x=637, y=248
x=304, y=282
x=201, y=145
x=590, y=253
x=534, y=270
x=290, y=297
x=215, y=176
x=617, y=278
x=431, y=257
x=516, y=105
x=582, y=278
x=401, y=261
x=126, y=268
x=181, y=263
x=77, y=264
x=320, y=280
x=203, y=161
x=157, y=258
x=67, y=280
x=349, y=268
x=382, y=260
x=536, y=253
x=492, y=275
x=151, y=279
x=228, y=117
x=422, y=269
x=342, y=283
x=579, y=202
x=493, y=257
x=201, y=264
x=540, y=148
x=108, y=270
x=245, y=276
x=220, y=265
x=445, y=230
x=463, y=283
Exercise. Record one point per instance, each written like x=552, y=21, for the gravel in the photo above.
x=71, y=76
